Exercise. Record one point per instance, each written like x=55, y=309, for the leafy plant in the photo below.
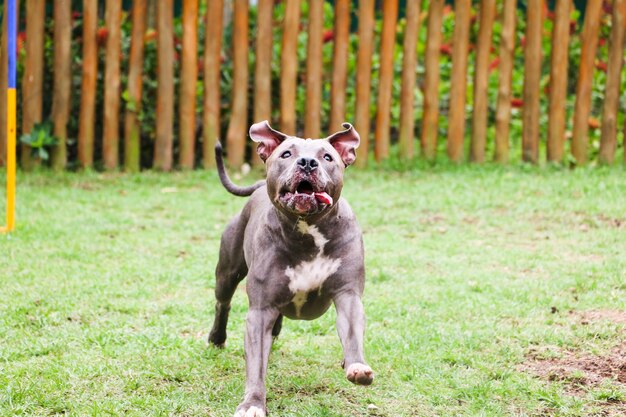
x=40, y=139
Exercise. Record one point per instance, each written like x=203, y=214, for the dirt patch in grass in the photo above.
x=615, y=316
x=582, y=373
x=579, y=371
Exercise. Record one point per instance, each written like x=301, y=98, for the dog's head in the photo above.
x=304, y=176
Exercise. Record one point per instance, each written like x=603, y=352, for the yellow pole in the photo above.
x=10, y=162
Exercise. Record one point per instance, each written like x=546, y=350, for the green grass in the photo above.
x=106, y=296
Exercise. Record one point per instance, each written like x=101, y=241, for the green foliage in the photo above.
x=40, y=139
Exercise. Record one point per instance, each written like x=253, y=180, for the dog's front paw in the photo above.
x=251, y=411
x=359, y=373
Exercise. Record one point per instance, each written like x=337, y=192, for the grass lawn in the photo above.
x=476, y=276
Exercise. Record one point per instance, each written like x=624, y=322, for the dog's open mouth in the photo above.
x=305, y=197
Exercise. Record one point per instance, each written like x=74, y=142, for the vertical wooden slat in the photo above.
x=407, y=95
x=88, y=86
x=132, y=126
x=263, y=67
x=364, y=78
x=32, y=81
x=188, y=79
x=313, y=105
x=237, y=128
x=62, y=79
x=212, y=91
x=3, y=87
x=165, y=86
x=589, y=41
x=611, y=92
x=112, y=85
x=507, y=51
x=385, y=82
x=430, y=120
x=532, y=76
x=481, y=81
x=458, y=84
x=558, y=80
x=340, y=64
x=289, y=67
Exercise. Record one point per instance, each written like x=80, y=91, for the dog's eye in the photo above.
x=328, y=158
x=285, y=155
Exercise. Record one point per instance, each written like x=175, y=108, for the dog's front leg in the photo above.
x=351, y=326
x=258, y=342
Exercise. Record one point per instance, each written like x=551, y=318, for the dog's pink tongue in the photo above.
x=324, y=198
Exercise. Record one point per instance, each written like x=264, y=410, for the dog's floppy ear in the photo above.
x=345, y=143
x=267, y=138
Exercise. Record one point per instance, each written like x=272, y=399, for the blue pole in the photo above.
x=12, y=42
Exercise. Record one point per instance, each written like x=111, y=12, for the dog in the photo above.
x=300, y=247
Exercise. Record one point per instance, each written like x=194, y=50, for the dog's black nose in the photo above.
x=308, y=164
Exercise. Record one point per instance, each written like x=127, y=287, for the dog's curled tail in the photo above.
x=226, y=182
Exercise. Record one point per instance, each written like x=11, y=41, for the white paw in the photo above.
x=359, y=373
x=250, y=412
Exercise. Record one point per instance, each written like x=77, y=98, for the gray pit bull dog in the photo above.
x=298, y=243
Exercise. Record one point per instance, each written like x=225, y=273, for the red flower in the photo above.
x=328, y=36
x=607, y=7
x=601, y=42
x=494, y=64
x=21, y=39
x=517, y=103
x=550, y=15
x=572, y=27
x=522, y=41
x=76, y=14
x=447, y=9
x=101, y=35
x=602, y=66
x=446, y=49
x=593, y=123
x=150, y=35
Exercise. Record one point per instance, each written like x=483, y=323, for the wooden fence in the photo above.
x=483, y=134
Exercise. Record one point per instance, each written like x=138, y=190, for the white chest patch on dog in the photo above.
x=310, y=275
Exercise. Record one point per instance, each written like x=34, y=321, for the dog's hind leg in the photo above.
x=231, y=270
x=278, y=325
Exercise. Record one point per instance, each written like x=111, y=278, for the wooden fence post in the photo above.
x=589, y=41
x=212, y=91
x=32, y=81
x=407, y=95
x=188, y=79
x=289, y=67
x=313, y=105
x=430, y=120
x=507, y=52
x=62, y=79
x=165, y=82
x=614, y=72
x=481, y=81
x=558, y=80
x=132, y=126
x=88, y=85
x=238, y=126
x=385, y=81
x=340, y=64
x=532, y=77
x=364, y=78
x=458, y=84
x=111, y=128
x=263, y=67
